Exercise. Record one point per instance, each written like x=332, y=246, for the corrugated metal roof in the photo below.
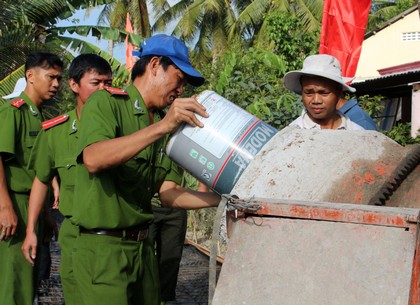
x=397, y=84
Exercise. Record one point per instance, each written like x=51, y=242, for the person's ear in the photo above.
x=74, y=86
x=29, y=76
x=154, y=65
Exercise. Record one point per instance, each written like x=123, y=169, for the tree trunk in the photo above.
x=111, y=47
x=145, y=30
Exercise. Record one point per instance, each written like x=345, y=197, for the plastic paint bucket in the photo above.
x=218, y=153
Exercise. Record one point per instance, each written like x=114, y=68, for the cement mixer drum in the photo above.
x=361, y=167
x=330, y=222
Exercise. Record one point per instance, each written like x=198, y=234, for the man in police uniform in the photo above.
x=56, y=148
x=122, y=137
x=167, y=234
x=20, y=122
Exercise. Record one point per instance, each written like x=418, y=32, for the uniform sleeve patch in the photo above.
x=17, y=103
x=55, y=121
x=116, y=91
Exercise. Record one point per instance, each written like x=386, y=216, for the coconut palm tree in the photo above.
x=205, y=22
x=30, y=25
x=382, y=11
x=214, y=24
x=114, y=14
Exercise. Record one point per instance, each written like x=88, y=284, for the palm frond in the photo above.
x=15, y=45
x=191, y=21
x=82, y=47
x=250, y=17
x=213, y=6
x=101, y=32
x=173, y=13
x=105, y=15
x=310, y=12
x=7, y=84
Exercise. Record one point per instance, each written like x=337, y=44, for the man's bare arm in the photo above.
x=175, y=196
x=56, y=190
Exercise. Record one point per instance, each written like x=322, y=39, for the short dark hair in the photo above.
x=140, y=66
x=43, y=60
x=86, y=63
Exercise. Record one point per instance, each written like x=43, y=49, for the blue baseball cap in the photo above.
x=173, y=48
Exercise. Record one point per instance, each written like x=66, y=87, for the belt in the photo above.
x=130, y=234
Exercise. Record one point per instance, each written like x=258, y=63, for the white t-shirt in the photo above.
x=305, y=122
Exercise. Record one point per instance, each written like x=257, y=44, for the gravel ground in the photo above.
x=192, y=288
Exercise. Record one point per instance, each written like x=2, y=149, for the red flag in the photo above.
x=129, y=61
x=343, y=28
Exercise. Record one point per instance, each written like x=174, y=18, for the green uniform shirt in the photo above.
x=120, y=197
x=56, y=149
x=19, y=128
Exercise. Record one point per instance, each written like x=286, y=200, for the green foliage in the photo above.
x=401, y=133
x=8, y=84
x=252, y=79
x=189, y=181
x=291, y=42
x=371, y=104
x=200, y=223
x=382, y=11
x=213, y=25
x=26, y=26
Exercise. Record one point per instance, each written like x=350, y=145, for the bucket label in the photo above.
x=219, y=153
x=224, y=120
x=254, y=139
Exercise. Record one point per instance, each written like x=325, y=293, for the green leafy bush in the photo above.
x=401, y=133
x=371, y=104
x=290, y=42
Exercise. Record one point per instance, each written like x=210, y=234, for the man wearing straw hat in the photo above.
x=321, y=86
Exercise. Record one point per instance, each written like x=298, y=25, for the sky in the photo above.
x=80, y=18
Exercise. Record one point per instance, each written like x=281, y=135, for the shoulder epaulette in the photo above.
x=117, y=91
x=17, y=103
x=55, y=121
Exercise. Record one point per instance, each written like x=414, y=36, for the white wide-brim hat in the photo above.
x=322, y=65
x=19, y=87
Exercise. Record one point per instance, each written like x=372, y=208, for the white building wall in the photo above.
x=386, y=48
x=415, y=111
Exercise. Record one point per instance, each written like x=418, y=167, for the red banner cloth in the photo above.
x=343, y=28
x=129, y=61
